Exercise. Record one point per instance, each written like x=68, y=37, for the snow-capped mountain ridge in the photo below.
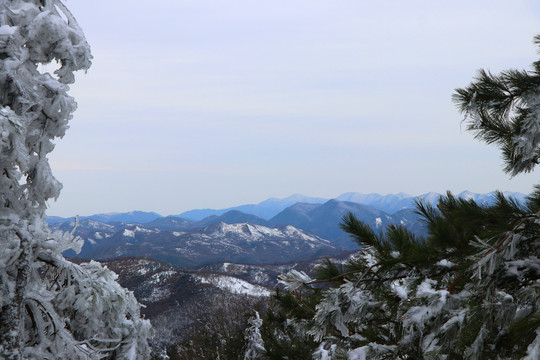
x=234, y=242
x=253, y=232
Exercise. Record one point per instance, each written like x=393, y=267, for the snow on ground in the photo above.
x=156, y=295
x=142, y=271
x=128, y=233
x=161, y=277
x=234, y=285
x=292, y=231
x=140, y=229
x=131, y=232
x=252, y=232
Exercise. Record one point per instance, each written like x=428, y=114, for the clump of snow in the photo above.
x=6, y=30
x=400, y=289
x=445, y=263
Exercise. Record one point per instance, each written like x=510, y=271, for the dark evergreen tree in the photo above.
x=504, y=109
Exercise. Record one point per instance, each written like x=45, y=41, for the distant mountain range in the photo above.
x=390, y=203
x=269, y=208
x=140, y=217
x=302, y=231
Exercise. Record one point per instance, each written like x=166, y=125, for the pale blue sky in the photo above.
x=195, y=104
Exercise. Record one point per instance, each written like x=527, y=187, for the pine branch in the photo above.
x=298, y=297
x=340, y=276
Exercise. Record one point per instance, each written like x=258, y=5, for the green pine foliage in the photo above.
x=282, y=331
x=503, y=110
x=469, y=289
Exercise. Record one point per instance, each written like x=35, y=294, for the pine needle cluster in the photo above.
x=503, y=109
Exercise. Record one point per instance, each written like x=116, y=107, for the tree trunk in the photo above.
x=11, y=315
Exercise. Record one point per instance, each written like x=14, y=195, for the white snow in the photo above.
x=128, y=233
x=142, y=271
x=252, y=232
x=35, y=112
x=161, y=277
x=140, y=229
x=445, y=263
x=400, y=289
x=157, y=294
x=533, y=350
x=6, y=30
x=136, y=229
x=234, y=285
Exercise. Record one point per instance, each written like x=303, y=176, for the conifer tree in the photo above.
x=49, y=308
x=470, y=288
x=504, y=109
x=254, y=343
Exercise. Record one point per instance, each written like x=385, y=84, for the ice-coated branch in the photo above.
x=47, y=302
x=294, y=279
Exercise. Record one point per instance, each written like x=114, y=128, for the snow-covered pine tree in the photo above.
x=49, y=308
x=470, y=289
x=254, y=343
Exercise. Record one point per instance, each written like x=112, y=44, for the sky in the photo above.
x=212, y=104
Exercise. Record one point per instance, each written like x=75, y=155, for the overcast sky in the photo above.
x=197, y=104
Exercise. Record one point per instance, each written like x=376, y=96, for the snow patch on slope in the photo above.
x=234, y=285
x=128, y=233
